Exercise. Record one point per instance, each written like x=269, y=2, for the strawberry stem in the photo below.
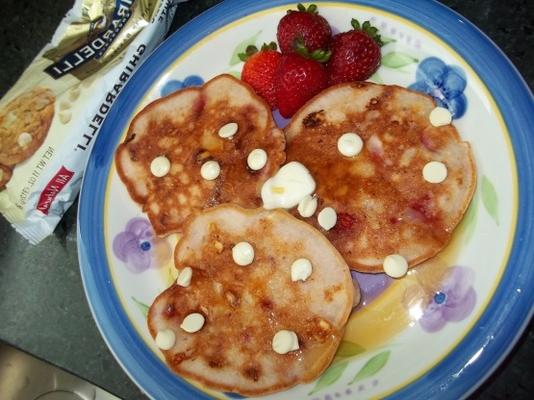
x=369, y=29
x=251, y=50
x=319, y=55
x=312, y=8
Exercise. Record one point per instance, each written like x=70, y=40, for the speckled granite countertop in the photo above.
x=42, y=305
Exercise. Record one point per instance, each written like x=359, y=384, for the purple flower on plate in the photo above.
x=445, y=83
x=371, y=285
x=453, y=302
x=139, y=248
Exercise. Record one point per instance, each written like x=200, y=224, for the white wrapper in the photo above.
x=76, y=77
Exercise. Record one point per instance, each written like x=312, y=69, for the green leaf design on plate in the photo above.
x=489, y=199
x=386, y=40
x=330, y=376
x=376, y=78
x=397, y=59
x=241, y=47
x=371, y=367
x=141, y=306
x=469, y=221
x=235, y=74
x=348, y=349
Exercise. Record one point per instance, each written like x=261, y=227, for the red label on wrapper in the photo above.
x=56, y=184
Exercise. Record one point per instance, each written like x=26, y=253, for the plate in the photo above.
x=437, y=333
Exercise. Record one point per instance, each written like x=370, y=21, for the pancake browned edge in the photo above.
x=384, y=205
x=184, y=127
x=245, y=306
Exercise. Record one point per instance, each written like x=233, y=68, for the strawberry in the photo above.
x=297, y=79
x=345, y=221
x=355, y=54
x=259, y=69
x=304, y=28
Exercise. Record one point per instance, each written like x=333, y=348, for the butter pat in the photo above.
x=193, y=323
x=395, y=266
x=160, y=166
x=210, y=170
x=440, y=116
x=350, y=144
x=165, y=339
x=307, y=206
x=327, y=218
x=257, y=159
x=301, y=270
x=288, y=187
x=435, y=172
x=229, y=130
x=243, y=253
x=285, y=341
x=184, y=278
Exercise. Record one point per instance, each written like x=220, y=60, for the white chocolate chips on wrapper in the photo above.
x=50, y=118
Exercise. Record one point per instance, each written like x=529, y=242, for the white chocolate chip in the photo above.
x=165, y=339
x=395, y=266
x=184, y=278
x=435, y=172
x=229, y=130
x=210, y=170
x=10, y=118
x=285, y=341
x=243, y=253
x=307, y=206
x=24, y=139
x=350, y=144
x=440, y=116
x=301, y=270
x=257, y=159
x=74, y=93
x=65, y=117
x=160, y=166
x=327, y=218
x=193, y=323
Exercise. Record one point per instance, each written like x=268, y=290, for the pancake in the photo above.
x=244, y=307
x=183, y=127
x=384, y=205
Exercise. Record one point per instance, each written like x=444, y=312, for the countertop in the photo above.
x=43, y=309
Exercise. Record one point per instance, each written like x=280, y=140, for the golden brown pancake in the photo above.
x=184, y=127
x=244, y=307
x=384, y=205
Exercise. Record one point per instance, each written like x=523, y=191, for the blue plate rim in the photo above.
x=498, y=328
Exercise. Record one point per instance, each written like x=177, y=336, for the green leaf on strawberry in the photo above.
x=241, y=47
x=319, y=55
x=369, y=29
